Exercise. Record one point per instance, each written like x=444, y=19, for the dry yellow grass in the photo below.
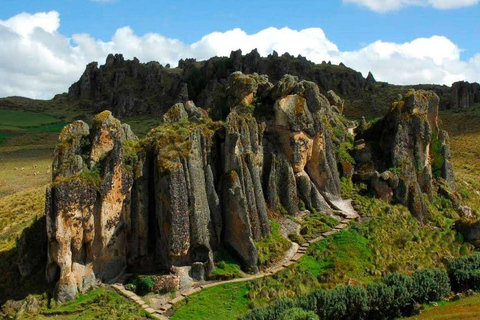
x=25, y=162
x=18, y=211
x=464, y=131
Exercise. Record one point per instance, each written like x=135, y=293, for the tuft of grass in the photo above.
x=272, y=247
x=226, y=268
x=315, y=224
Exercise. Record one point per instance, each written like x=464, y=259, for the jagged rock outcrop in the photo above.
x=85, y=206
x=464, y=94
x=401, y=155
x=128, y=87
x=192, y=186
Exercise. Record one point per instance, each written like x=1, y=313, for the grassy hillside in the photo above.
x=391, y=241
x=464, y=309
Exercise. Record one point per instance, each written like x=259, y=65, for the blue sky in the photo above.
x=348, y=25
x=400, y=41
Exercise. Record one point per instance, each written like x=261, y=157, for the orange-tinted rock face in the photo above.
x=85, y=208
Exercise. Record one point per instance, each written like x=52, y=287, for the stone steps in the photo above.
x=161, y=312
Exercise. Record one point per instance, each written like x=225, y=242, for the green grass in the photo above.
x=272, y=247
x=337, y=259
x=217, y=303
x=25, y=119
x=4, y=136
x=315, y=224
x=464, y=309
x=225, y=268
x=97, y=304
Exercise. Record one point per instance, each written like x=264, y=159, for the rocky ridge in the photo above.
x=131, y=88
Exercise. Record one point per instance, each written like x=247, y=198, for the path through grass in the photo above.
x=217, y=303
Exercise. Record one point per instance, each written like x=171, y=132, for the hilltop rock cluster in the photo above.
x=193, y=185
x=128, y=87
x=400, y=156
x=464, y=94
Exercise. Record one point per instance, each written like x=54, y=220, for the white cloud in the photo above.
x=37, y=61
x=391, y=5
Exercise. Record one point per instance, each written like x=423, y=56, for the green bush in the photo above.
x=402, y=291
x=298, y=314
x=381, y=298
x=143, y=284
x=430, y=285
x=346, y=302
x=271, y=313
x=395, y=296
x=271, y=248
x=464, y=273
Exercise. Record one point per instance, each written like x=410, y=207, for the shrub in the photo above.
x=430, y=285
x=145, y=284
x=271, y=313
x=348, y=302
x=402, y=291
x=298, y=314
x=380, y=298
x=464, y=272
x=271, y=248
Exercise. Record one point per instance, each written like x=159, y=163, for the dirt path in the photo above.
x=291, y=257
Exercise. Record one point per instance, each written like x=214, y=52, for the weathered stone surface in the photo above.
x=464, y=94
x=243, y=152
x=175, y=114
x=192, y=186
x=84, y=209
x=335, y=100
x=410, y=135
x=68, y=159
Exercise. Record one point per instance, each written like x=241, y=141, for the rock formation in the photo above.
x=128, y=87
x=464, y=94
x=192, y=186
x=411, y=152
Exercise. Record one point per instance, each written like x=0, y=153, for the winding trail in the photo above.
x=291, y=257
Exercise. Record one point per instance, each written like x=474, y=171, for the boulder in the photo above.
x=335, y=100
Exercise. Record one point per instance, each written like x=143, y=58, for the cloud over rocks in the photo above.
x=37, y=61
x=391, y=5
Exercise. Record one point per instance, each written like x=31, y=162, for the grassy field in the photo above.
x=222, y=302
x=464, y=309
x=98, y=304
x=24, y=119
